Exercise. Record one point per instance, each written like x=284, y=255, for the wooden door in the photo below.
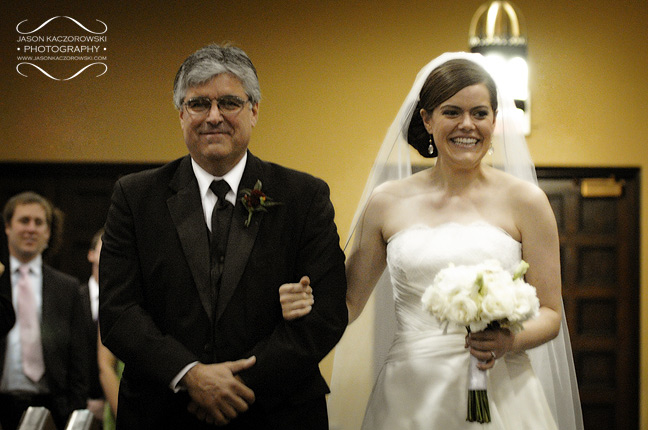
x=599, y=250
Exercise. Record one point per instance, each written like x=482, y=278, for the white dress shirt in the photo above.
x=93, y=291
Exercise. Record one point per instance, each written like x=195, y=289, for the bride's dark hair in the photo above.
x=444, y=82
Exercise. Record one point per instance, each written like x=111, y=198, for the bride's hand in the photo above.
x=489, y=345
x=296, y=299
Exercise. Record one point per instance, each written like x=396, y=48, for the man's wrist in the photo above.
x=177, y=383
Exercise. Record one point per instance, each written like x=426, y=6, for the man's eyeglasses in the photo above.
x=227, y=105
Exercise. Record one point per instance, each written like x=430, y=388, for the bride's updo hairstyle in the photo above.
x=444, y=82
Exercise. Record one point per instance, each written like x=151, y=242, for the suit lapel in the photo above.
x=185, y=207
x=241, y=239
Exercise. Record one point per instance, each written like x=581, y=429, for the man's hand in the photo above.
x=296, y=299
x=218, y=395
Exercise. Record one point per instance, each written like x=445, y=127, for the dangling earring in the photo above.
x=431, y=146
x=490, y=149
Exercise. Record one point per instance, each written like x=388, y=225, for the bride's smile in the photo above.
x=464, y=141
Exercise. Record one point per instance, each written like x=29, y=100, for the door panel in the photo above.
x=599, y=249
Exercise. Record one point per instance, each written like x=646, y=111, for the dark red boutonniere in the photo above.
x=254, y=200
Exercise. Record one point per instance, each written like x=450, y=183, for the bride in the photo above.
x=460, y=211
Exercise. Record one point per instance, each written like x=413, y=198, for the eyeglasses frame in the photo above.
x=211, y=105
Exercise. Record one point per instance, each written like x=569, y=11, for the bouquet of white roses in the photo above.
x=475, y=297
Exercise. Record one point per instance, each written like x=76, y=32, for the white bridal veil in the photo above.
x=360, y=354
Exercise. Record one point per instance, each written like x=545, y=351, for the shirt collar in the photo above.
x=233, y=178
x=35, y=264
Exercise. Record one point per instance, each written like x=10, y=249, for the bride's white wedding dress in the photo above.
x=423, y=383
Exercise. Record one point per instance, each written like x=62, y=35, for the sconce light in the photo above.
x=498, y=31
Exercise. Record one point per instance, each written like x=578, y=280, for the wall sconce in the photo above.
x=498, y=32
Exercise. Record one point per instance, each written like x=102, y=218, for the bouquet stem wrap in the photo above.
x=478, y=409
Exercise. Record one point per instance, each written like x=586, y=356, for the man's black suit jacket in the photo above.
x=158, y=312
x=63, y=342
x=7, y=314
x=91, y=328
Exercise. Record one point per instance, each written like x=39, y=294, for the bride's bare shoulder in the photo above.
x=400, y=188
x=390, y=194
x=519, y=193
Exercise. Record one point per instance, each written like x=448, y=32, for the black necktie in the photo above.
x=221, y=217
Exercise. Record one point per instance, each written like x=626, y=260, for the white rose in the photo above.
x=463, y=309
x=500, y=303
x=453, y=295
x=527, y=303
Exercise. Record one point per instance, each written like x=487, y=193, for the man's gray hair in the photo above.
x=201, y=66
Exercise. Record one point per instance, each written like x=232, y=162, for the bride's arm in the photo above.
x=367, y=259
x=364, y=266
x=540, y=248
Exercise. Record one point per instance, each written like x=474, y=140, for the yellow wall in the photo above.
x=333, y=75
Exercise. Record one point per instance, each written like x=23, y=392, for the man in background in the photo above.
x=42, y=359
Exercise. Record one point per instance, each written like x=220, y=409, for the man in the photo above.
x=193, y=308
x=90, y=299
x=44, y=366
